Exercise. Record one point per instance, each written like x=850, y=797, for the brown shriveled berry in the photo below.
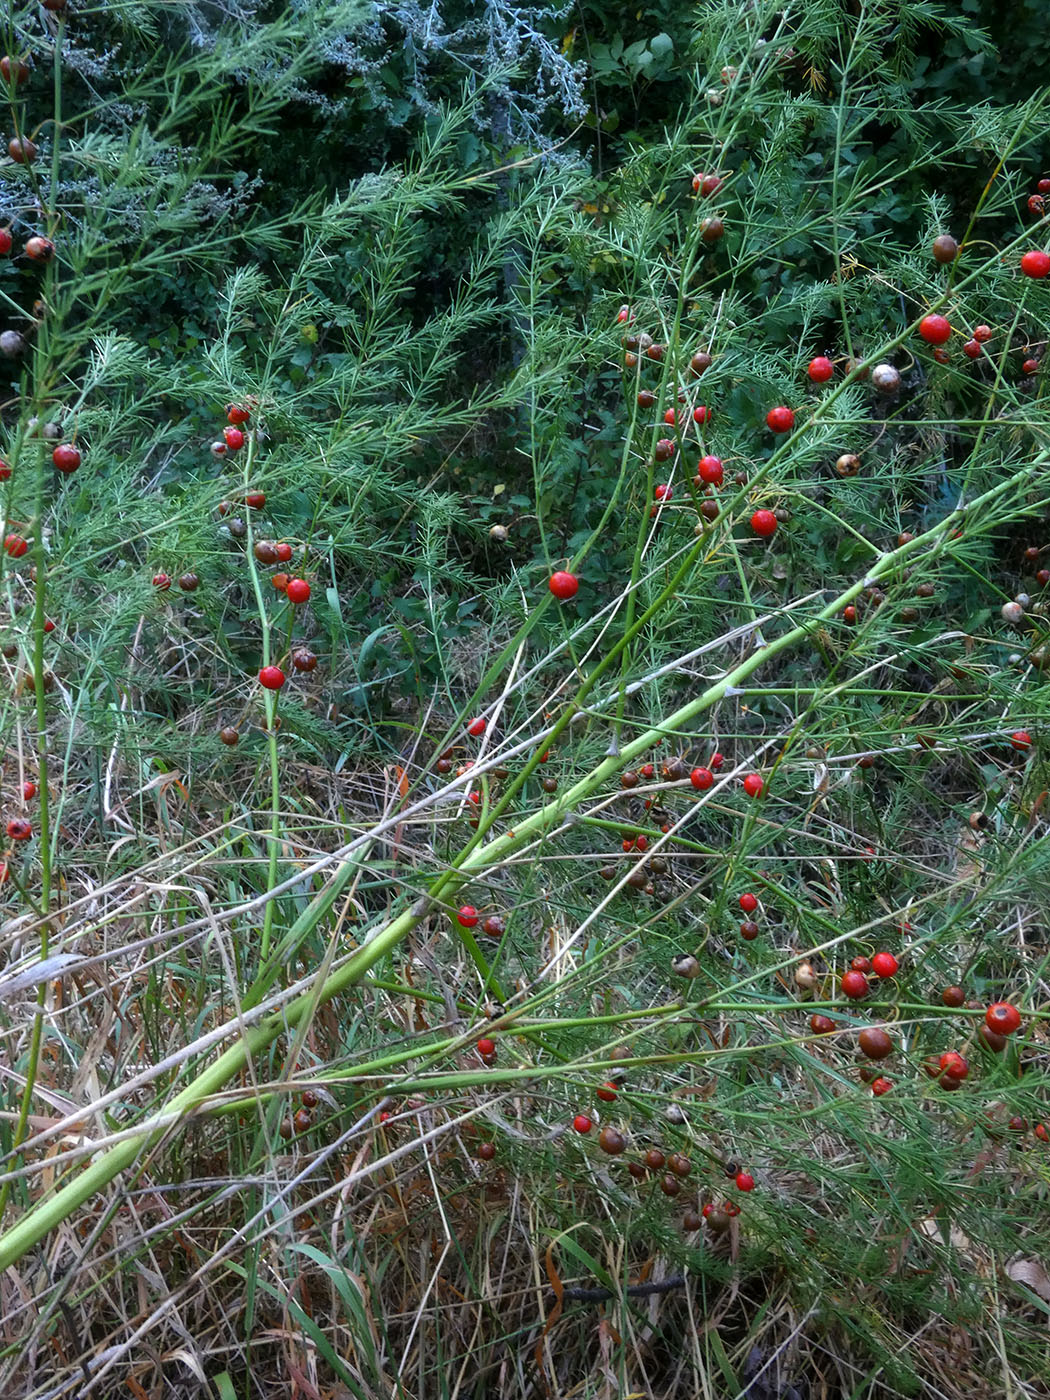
x=670, y=1186
x=995, y=1042
x=611, y=1140
x=953, y=996
x=945, y=248
x=875, y=1043
x=229, y=736
x=655, y=1160
x=679, y=1164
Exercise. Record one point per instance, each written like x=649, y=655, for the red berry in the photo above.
x=954, y=1065
x=861, y=964
x=753, y=785
x=66, y=457
x=1002, y=1017
x=745, y=1181
x=271, y=677
x=706, y=184
x=710, y=471
x=820, y=370
x=5, y=471
x=780, y=420
x=849, y=614
x=1020, y=739
x=715, y=762
x=162, y=582
x=764, y=523
x=18, y=829
x=941, y=356
x=664, y=492
x=15, y=546
x=748, y=903
x=884, y=965
x=234, y=438
x=237, y=414
x=28, y=791
x=5, y=241
x=972, y=349
x=467, y=916
x=486, y=1046
x=821, y=1025
x=664, y=450
x=486, y=1151
x=298, y=590
x=1040, y=1131
x=935, y=330
x=564, y=585
x=881, y=1086
x=607, y=1092
x=1043, y=185
x=1035, y=264
x=854, y=985
x=476, y=727
x=982, y=333
x=284, y=552
x=280, y=582
x=582, y=1123
x=38, y=249
x=701, y=778
x=1036, y=204
x=255, y=499
x=1030, y=367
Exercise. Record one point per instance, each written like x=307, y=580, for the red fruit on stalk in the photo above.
x=298, y=590
x=753, y=785
x=701, y=778
x=820, y=369
x=66, y=457
x=39, y=249
x=486, y=1047
x=764, y=523
x=780, y=419
x=1035, y=264
x=884, y=965
x=1002, y=1018
x=582, y=1123
x=237, y=414
x=564, y=585
x=709, y=470
x=854, y=985
x=467, y=916
x=234, y=438
x=935, y=329
x=271, y=677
